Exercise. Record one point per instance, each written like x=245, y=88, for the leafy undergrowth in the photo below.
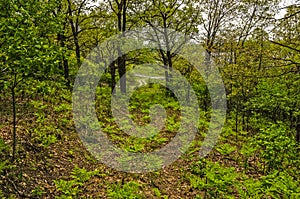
x=51, y=161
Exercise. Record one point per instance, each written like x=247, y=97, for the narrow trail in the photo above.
x=143, y=82
x=150, y=77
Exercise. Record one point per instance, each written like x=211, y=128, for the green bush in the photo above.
x=276, y=148
x=276, y=185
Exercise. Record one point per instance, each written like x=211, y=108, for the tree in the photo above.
x=228, y=31
x=167, y=17
x=119, y=8
x=25, y=48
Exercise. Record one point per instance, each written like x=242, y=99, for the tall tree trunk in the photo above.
x=122, y=66
x=113, y=77
x=237, y=115
x=64, y=60
x=122, y=73
x=121, y=61
x=170, y=68
x=74, y=33
x=206, y=92
x=66, y=71
x=14, y=116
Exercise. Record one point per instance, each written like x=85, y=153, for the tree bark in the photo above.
x=113, y=77
x=65, y=62
x=74, y=33
x=121, y=61
x=14, y=117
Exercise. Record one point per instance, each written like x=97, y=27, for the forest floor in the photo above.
x=37, y=167
x=52, y=162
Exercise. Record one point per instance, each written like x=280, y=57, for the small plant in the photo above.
x=67, y=188
x=3, y=146
x=159, y=194
x=38, y=191
x=275, y=185
x=4, y=164
x=215, y=180
x=247, y=151
x=135, y=147
x=82, y=175
x=63, y=107
x=71, y=188
x=226, y=149
x=130, y=190
x=44, y=137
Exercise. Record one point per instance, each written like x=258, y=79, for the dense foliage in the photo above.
x=255, y=46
